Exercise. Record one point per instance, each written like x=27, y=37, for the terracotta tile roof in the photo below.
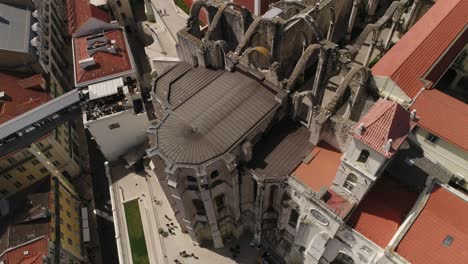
x=35, y=81
x=338, y=203
x=20, y=100
x=443, y=116
x=321, y=170
x=425, y=52
x=381, y=212
x=385, y=120
x=107, y=64
x=36, y=251
x=422, y=46
x=444, y=214
x=79, y=11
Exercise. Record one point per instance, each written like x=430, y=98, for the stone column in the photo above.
x=371, y=8
x=236, y=193
x=410, y=15
x=331, y=30
x=375, y=36
x=352, y=18
x=259, y=212
x=318, y=77
x=390, y=34
x=211, y=216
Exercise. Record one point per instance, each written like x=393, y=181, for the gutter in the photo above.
x=427, y=84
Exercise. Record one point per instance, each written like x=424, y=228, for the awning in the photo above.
x=105, y=88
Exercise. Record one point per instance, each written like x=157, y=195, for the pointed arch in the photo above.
x=356, y=71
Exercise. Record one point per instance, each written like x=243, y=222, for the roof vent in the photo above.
x=95, y=48
x=360, y=129
x=95, y=38
x=86, y=63
x=448, y=241
x=25, y=252
x=388, y=145
x=413, y=115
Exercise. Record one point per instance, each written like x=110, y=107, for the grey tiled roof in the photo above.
x=277, y=154
x=15, y=28
x=215, y=117
x=182, y=81
x=26, y=119
x=164, y=81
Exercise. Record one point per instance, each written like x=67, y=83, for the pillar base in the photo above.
x=217, y=240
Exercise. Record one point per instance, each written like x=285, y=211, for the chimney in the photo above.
x=360, y=129
x=388, y=145
x=413, y=115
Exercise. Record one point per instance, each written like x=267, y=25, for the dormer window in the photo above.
x=363, y=156
x=214, y=174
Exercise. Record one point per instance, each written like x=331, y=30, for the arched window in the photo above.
x=216, y=183
x=199, y=207
x=191, y=179
x=350, y=182
x=293, y=217
x=342, y=258
x=219, y=201
x=363, y=156
x=273, y=190
x=214, y=174
x=304, y=113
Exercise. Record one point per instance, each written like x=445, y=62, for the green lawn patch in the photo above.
x=182, y=5
x=136, y=233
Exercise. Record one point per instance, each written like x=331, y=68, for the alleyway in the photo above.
x=154, y=208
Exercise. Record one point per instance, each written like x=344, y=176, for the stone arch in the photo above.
x=302, y=107
x=293, y=218
x=246, y=15
x=263, y=61
x=301, y=63
x=220, y=49
x=343, y=258
x=251, y=32
x=396, y=7
x=361, y=73
x=199, y=206
x=332, y=22
x=310, y=22
x=289, y=5
x=290, y=12
x=193, y=23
